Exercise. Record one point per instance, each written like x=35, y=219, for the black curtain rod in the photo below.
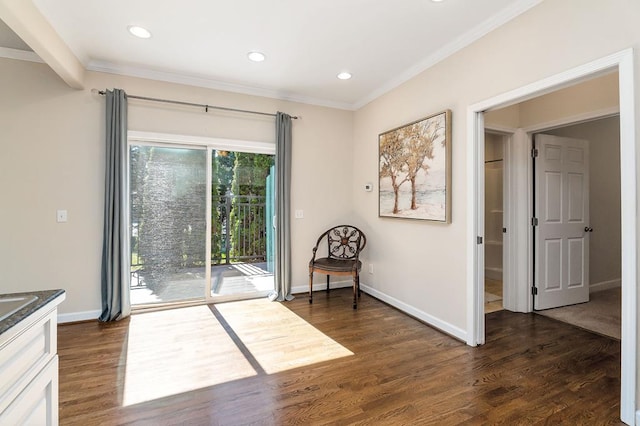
x=205, y=106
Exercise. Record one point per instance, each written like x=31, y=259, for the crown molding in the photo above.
x=130, y=71
x=21, y=55
x=449, y=49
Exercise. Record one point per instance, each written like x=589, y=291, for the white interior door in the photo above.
x=561, y=252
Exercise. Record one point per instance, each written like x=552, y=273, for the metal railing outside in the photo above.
x=238, y=233
x=241, y=236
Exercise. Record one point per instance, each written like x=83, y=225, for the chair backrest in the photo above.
x=344, y=241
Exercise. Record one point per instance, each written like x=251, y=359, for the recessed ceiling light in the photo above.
x=139, y=31
x=437, y=1
x=344, y=75
x=256, y=56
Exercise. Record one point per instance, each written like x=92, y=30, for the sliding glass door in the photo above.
x=242, y=225
x=201, y=223
x=168, y=224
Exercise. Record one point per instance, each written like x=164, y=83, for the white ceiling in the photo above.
x=307, y=42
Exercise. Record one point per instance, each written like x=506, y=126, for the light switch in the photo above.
x=61, y=216
x=299, y=214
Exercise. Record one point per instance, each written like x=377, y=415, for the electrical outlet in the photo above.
x=299, y=214
x=61, y=216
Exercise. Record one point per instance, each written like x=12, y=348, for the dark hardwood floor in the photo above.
x=258, y=362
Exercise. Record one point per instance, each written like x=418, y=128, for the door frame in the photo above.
x=623, y=63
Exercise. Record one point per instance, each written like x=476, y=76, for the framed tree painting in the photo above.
x=414, y=170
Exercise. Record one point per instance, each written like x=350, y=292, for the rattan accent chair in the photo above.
x=344, y=244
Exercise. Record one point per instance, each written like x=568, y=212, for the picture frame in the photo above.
x=414, y=170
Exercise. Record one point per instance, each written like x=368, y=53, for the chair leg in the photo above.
x=358, y=278
x=328, y=283
x=310, y=286
x=355, y=291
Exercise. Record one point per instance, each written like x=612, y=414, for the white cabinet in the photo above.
x=37, y=404
x=29, y=370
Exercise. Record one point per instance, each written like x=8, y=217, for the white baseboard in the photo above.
x=605, y=285
x=78, y=316
x=321, y=285
x=443, y=326
x=94, y=315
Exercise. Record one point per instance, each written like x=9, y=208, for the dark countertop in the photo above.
x=44, y=297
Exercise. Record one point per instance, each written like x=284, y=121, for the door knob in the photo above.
x=588, y=229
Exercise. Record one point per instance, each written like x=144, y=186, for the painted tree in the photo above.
x=393, y=159
x=419, y=140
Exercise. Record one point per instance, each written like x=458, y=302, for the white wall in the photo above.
x=52, y=157
x=421, y=263
x=599, y=95
x=595, y=97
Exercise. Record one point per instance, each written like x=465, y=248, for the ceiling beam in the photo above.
x=24, y=18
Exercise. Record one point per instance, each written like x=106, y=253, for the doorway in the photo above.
x=623, y=63
x=602, y=313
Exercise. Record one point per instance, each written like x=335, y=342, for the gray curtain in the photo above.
x=282, y=289
x=115, y=276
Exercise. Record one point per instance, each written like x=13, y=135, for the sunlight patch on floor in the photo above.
x=176, y=351
x=180, y=350
x=277, y=338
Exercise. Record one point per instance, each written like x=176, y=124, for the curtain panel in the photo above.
x=115, y=274
x=282, y=289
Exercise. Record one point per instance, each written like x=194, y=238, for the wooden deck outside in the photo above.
x=233, y=279
x=269, y=363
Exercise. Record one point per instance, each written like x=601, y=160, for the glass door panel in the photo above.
x=168, y=193
x=241, y=225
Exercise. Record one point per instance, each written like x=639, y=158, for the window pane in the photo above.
x=168, y=224
x=242, y=224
